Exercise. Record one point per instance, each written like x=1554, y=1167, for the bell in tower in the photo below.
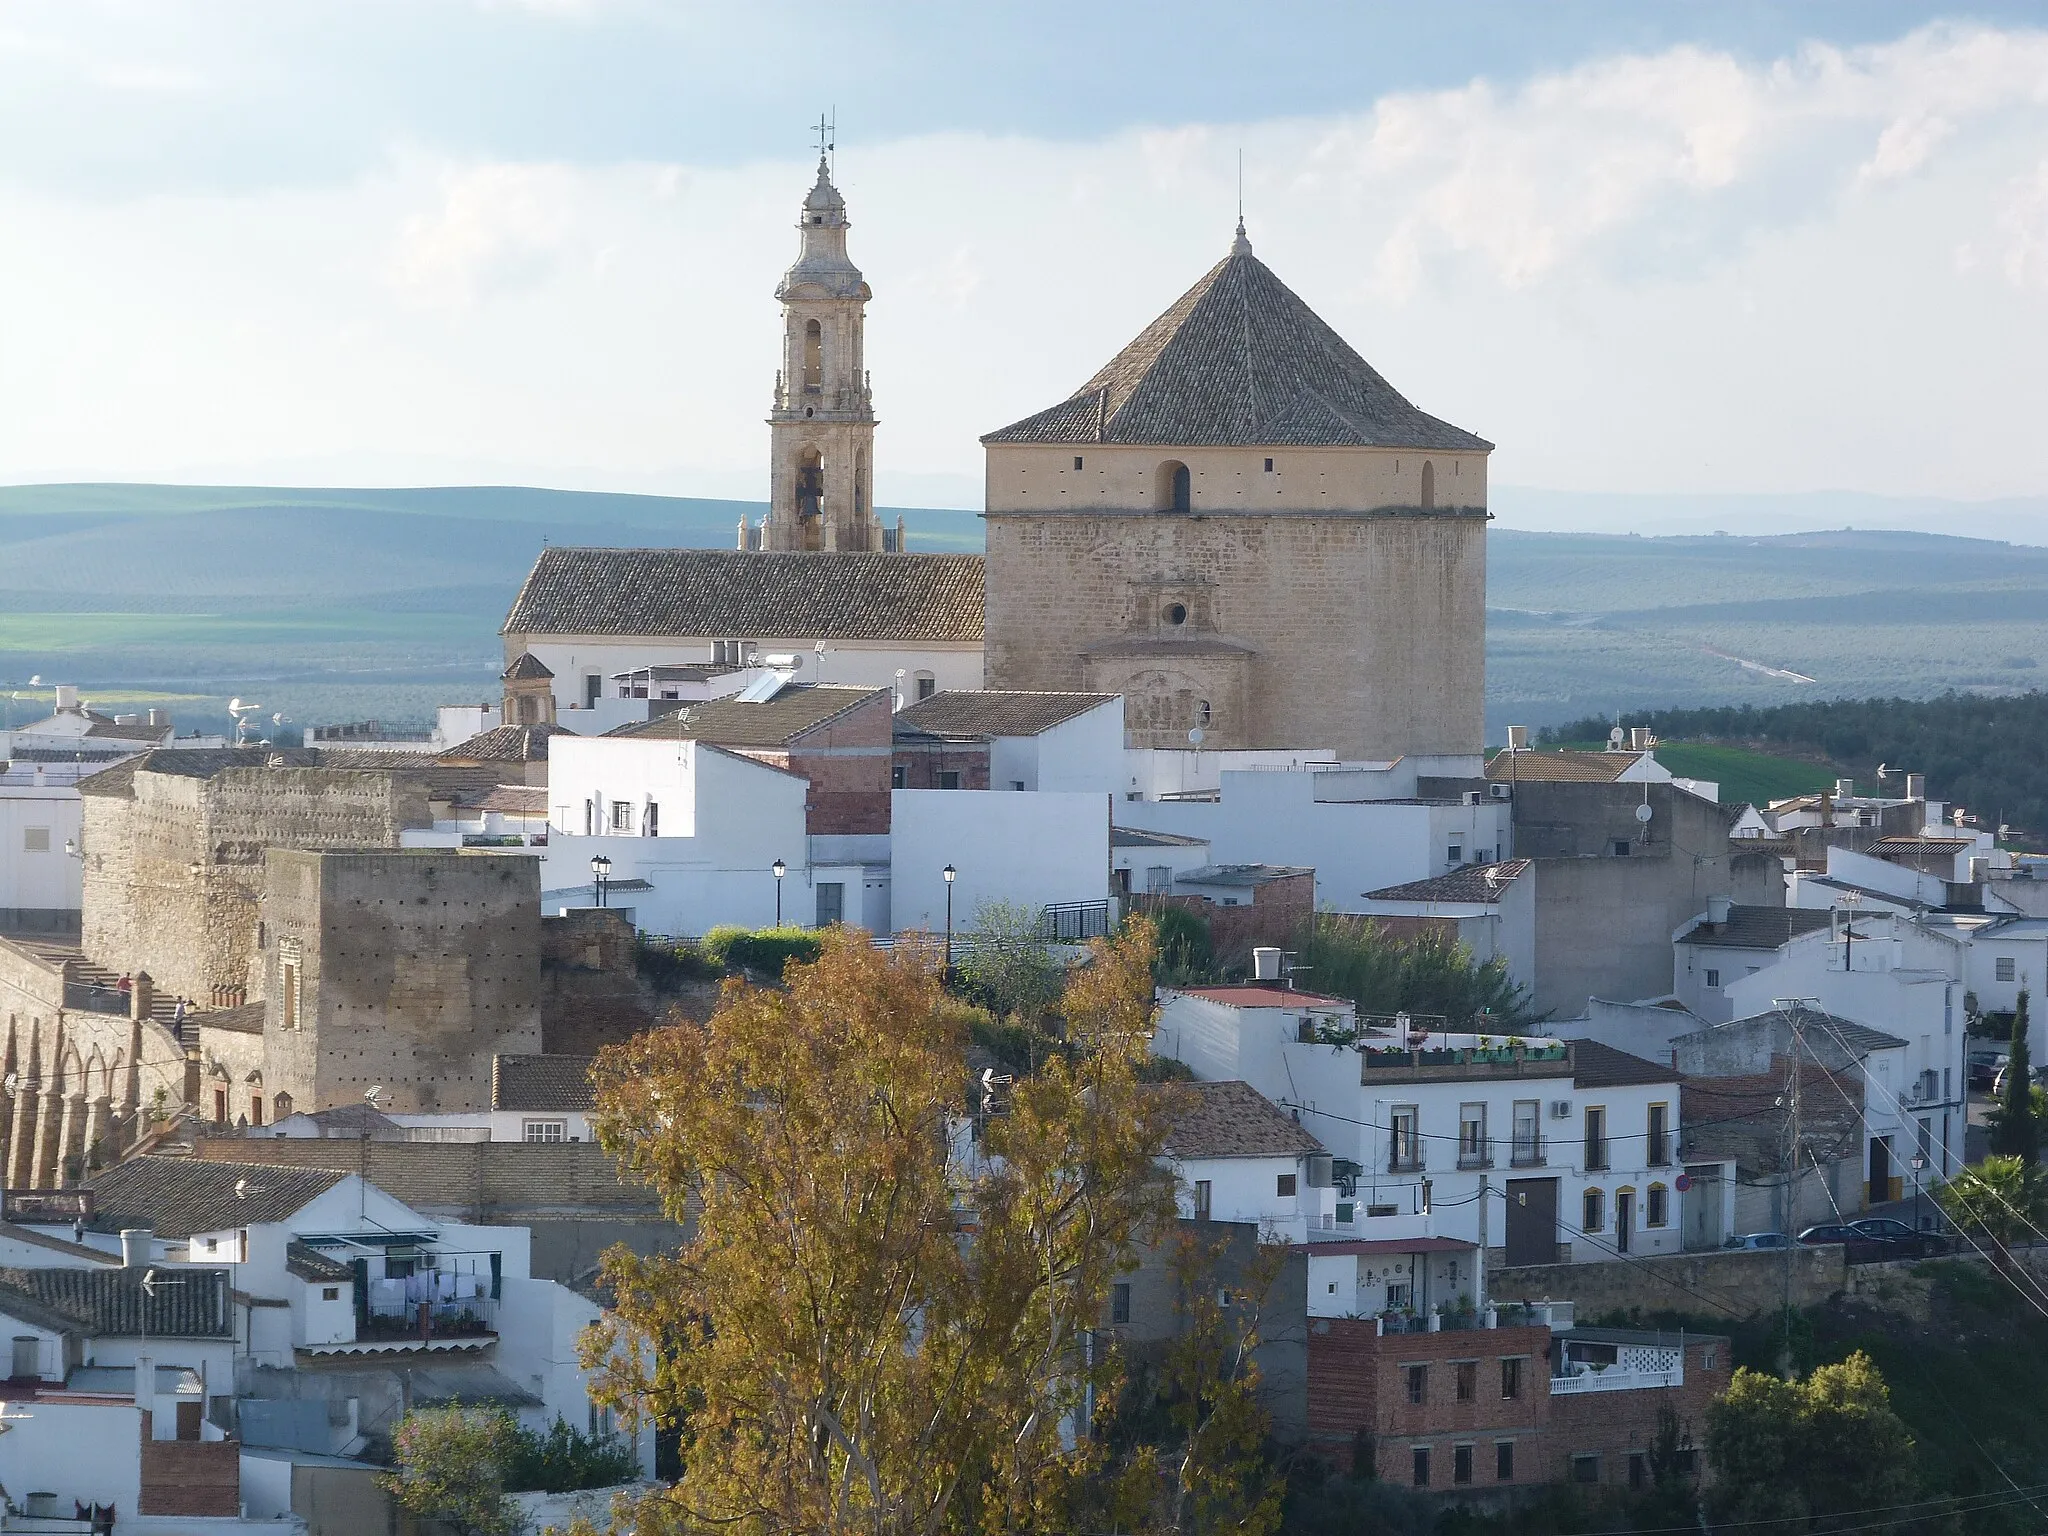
x=822, y=429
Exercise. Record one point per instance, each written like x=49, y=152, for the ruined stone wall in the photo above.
x=417, y=968
x=174, y=871
x=1362, y=632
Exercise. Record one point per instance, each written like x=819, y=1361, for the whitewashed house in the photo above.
x=1488, y=908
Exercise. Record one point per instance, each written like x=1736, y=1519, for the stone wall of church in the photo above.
x=1068, y=477
x=1361, y=632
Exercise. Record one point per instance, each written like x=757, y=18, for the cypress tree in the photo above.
x=2016, y=1134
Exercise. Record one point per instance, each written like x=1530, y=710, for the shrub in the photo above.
x=1186, y=956
x=764, y=951
x=565, y=1459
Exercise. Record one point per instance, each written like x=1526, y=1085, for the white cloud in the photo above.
x=1672, y=272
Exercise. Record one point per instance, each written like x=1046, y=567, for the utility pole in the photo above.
x=1793, y=1152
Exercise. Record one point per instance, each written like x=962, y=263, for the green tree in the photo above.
x=2014, y=1131
x=2005, y=1198
x=1186, y=955
x=1802, y=1453
x=563, y=1459
x=1008, y=967
x=451, y=1468
x=1433, y=975
x=869, y=1332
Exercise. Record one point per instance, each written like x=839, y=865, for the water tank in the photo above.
x=135, y=1246
x=1265, y=964
x=1518, y=738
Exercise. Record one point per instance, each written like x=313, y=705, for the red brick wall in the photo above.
x=922, y=764
x=1613, y=1424
x=190, y=1477
x=1358, y=1382
x=847, y=761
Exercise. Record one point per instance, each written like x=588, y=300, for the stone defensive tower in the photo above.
x=1246, y=531
x=822, y=430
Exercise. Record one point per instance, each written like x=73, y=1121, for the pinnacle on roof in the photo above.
x=1240, y=359
x=824, y=196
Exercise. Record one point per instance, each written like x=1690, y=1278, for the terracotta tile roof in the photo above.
x=1476, y=883
x=732, y=722
x=994, y=712
x=505, y=744
x=179, y=1196
x=1595, y=1065
x=541, y=1082
x=1235, y=1120
x=509, y=799
x=189, y=1303
x=527, y=667
x=749, y=595
x=245, y=1020
x=1239, y=359
x=1562, y=767
x=1241, y=875
x=1757, y=927
x=1258, y=995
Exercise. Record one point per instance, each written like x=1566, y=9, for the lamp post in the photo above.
x=1919, y=1167
x=949, y=872
x=601, y=872
x=780, y=869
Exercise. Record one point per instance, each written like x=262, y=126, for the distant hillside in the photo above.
x=1983, y=754
x=388, y=595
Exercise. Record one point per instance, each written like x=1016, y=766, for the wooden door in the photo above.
x=1532, y=1221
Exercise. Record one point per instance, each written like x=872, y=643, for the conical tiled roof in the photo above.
x=1239, y=359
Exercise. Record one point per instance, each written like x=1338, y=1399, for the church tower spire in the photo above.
x=822, y=429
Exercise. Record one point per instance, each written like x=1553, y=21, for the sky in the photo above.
x=1646, y=249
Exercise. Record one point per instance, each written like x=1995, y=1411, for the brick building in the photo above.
x=1486, y=1409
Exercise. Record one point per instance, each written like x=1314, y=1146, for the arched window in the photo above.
x=810, y=483
x=814, y=354
x=1428, y=485
x=860, y=475
x=1175, y=488
x=1595, y=1212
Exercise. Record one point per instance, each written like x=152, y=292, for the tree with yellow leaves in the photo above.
x=880, y=1324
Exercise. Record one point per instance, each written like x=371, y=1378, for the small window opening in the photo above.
x=814, y=355
x=1175, y=488
x=1077, y=461
x=1428, y=486
x=1176, y=613
x=1269, y=466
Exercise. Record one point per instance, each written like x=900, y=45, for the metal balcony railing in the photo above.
x=1475, y=1152
x=1596, y=1156
x=1066, y=922
x=1405, y=1158
x=1531, y=1151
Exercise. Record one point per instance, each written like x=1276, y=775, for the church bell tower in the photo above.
x=822, y=430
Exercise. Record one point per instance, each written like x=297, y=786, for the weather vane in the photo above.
x=828, y=133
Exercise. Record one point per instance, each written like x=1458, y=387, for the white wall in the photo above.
x=1505, y=928
x=1031, y=849
x=88, y=1453
x=1247, y=1189
x=1179, y=858
x=1084, y=755
x=49, y=880
x=1150, y=772
x=1354, y=846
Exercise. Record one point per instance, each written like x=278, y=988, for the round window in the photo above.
x=807, y=410
x=1176, y=613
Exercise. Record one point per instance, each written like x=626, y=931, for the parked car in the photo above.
x=1899, y=1237
x=1827, y=1232
x=1759, y=1241
x=1985, y=1065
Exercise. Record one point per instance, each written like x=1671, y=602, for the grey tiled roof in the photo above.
x=179, y=1196
x=309, y=1263
x=1595, y=1065
x=1234, y=1119
x=505, y=744
x=1241, y=874
x=188, y=1302
x=733, y=722
x=541, y=1082
x=206, y=763
x=526, y=667
x=994, y=712
x=1476, y=883
x=1139, y=837
x=749, y=595
x=1757, y=927
x=1239, y=359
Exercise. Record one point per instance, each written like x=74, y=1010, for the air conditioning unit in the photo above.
x=1501, y=791
x=1560, y=1109
x=1471, y=797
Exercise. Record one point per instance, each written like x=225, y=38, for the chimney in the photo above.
x=1916, y=786
x=67, y=697
x=135, y=1244
x=1844, y=788
x=159, y=719
x=1518, y=738
x=1718, y=908
x=1265, y=964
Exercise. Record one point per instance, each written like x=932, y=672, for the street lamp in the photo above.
x=949, y=872
x=601, y=871
x=1919, y=1166
x=780, y=869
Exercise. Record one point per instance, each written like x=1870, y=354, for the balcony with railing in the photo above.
x=1406, y=1156
x=1596, y=1154
x=1582, y=1367
x=1529, y=1150
x=1475, y=1151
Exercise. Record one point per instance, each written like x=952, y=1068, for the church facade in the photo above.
x=1246, y=531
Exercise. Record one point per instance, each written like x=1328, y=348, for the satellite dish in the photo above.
x=1195, y=736
x=36, y=681
x=1616, y=737
x=1643, y=813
